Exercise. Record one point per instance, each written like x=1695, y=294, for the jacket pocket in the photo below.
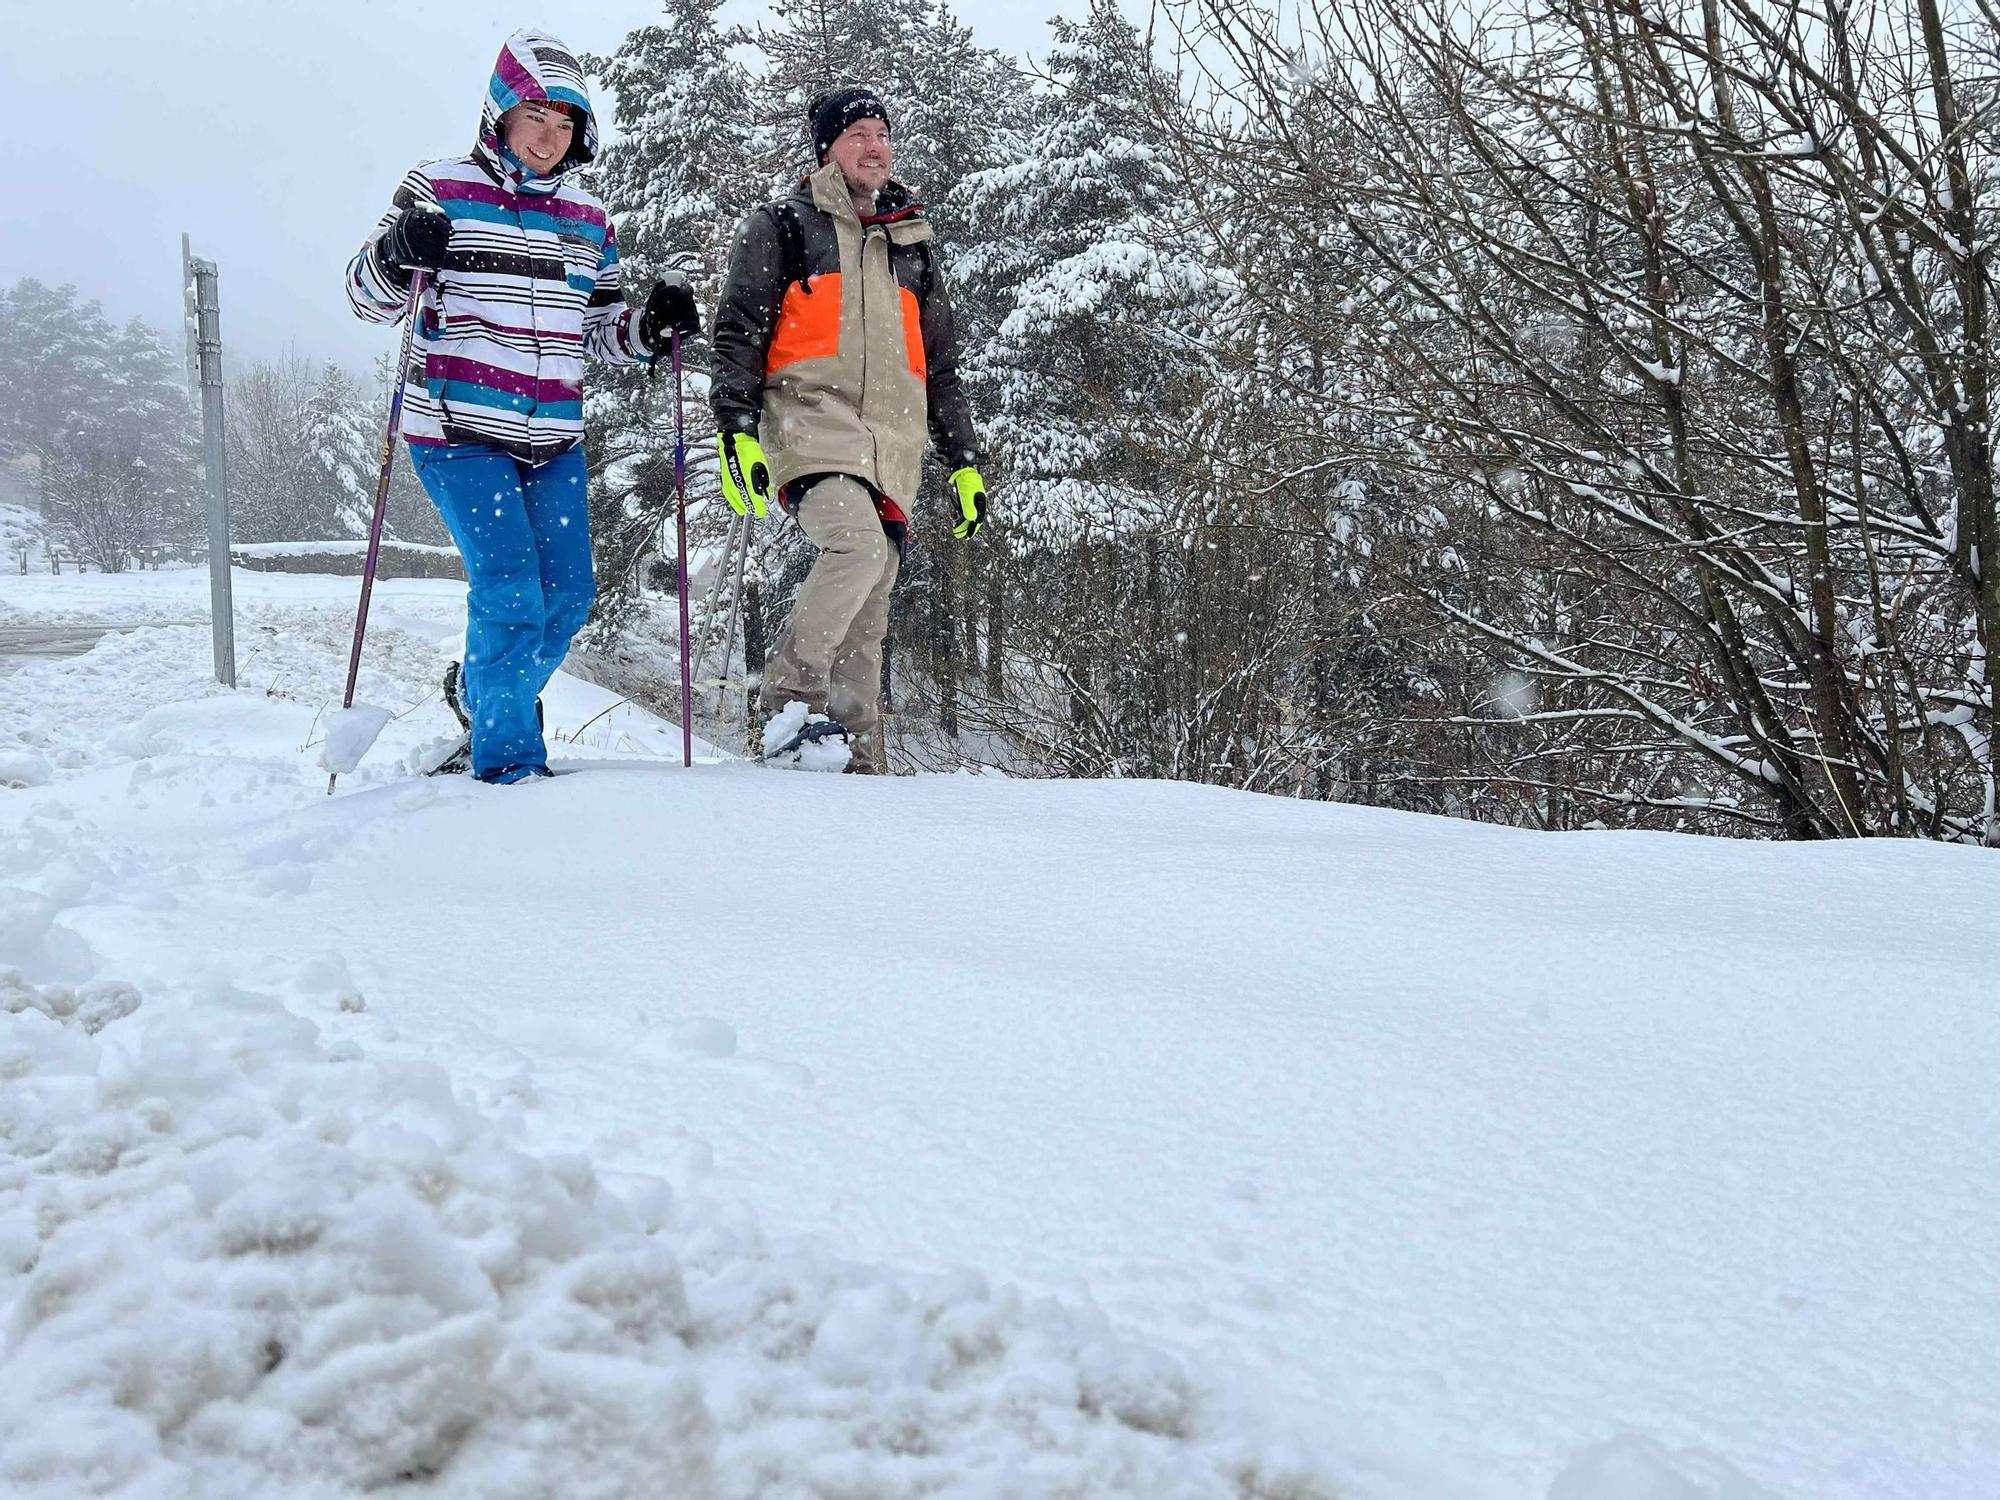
x=899, y=464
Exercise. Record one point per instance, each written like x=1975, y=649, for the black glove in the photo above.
x=417, y=241
x=669, y=309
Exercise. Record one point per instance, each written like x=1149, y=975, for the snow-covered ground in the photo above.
x=733, y=1132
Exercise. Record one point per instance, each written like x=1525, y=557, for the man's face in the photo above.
x=538, y=133
x=863, y=153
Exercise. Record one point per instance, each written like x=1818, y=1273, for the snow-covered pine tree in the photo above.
x=303, y=450
x=1091, y=387
x=121, y=476
x=269, y=499
x=147, y=404
x=677, y=173
x=1088, y=366
x=55, y=363
x=339, y=453
x=102, y=412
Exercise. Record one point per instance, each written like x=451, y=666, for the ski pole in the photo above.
x=709, y=612
x=381, y=501
x=681, y=527
x=735, y=611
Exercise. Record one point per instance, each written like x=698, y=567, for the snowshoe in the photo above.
x=451, y=757
x=798, y=739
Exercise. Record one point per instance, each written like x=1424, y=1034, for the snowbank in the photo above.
x=346, y=547
x=239, y=1260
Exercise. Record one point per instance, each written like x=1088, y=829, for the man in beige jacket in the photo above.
x=834, y=357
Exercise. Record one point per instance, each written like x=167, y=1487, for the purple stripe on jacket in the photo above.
x=559, y=203
x=520, y=82
x=473, y=372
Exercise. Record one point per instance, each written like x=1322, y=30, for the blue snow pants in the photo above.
x=524, y=532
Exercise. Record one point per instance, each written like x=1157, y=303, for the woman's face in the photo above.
x=538, y=133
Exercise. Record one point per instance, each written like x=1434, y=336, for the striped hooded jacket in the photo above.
x=529, y=285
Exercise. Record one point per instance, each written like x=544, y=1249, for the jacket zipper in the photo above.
x=868, y=233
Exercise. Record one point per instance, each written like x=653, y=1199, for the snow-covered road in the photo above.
x=1443, y=1160
x=47, y=641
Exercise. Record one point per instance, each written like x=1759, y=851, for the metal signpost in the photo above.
x=190, y=321
x=207, y=320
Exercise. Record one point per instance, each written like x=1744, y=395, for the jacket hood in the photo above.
x=534, y=65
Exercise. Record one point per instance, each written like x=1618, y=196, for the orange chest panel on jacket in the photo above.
x=809, y=325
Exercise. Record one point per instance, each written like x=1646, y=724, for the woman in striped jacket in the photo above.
x=520, y=267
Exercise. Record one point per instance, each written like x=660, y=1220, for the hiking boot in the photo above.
x=799, y=739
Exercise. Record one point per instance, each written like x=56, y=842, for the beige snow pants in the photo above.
x=830, y=656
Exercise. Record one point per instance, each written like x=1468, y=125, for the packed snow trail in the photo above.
x=1482, y=1163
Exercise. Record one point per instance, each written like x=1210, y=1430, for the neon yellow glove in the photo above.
x=970, y=491
x=746, y=474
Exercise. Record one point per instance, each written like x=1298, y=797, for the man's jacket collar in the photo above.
x=827, y=188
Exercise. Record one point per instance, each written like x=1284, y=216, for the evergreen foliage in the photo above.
x=678, y=173
x=101, y=413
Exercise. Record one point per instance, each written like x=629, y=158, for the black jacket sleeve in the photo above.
x=951, y=424
x=746, y=315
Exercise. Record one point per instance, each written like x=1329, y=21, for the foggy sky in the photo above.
x=273, y=131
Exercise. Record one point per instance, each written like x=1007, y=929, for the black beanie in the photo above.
x=836, y=109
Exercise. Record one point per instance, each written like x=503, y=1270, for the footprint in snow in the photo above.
x=291, y=879
x=702, y=1036
x=707, y=1039
x=795, y=1077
